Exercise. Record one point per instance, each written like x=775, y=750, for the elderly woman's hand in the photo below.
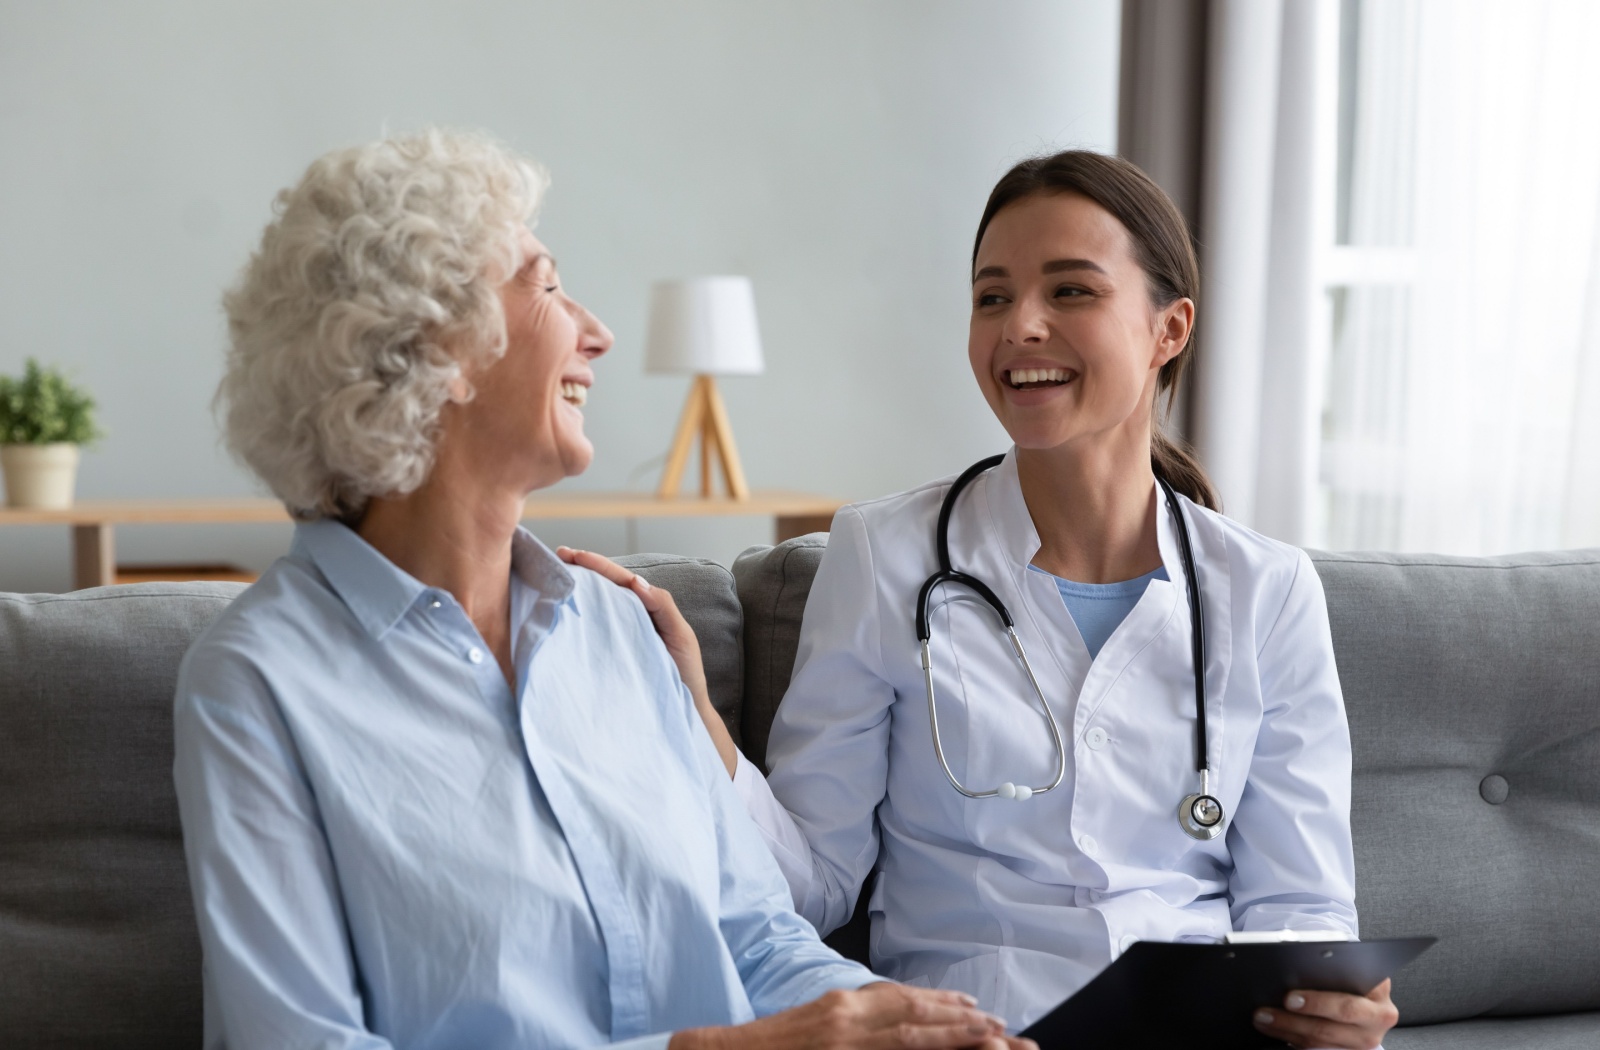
x=675, y=633
x=1332, y=1019
x=880, y=1016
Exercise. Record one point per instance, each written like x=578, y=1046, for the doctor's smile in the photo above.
x=1018, y=378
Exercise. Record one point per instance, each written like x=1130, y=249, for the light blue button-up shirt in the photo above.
x=388, y=846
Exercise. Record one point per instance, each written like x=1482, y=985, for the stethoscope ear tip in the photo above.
x=1018, y=792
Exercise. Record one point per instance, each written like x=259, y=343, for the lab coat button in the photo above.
x=1128, y=942
x=1088, y=845
x=1097, y=738
x=475, y=655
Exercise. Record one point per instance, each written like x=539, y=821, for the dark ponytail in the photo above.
x=1164, y=252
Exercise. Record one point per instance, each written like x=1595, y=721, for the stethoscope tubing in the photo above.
x=1197, y=637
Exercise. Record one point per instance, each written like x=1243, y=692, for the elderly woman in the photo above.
x=424, y=797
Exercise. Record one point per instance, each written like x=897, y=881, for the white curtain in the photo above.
x=1463, y=410
x=1267, y=168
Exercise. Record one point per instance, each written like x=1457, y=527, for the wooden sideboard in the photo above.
x=93, y=524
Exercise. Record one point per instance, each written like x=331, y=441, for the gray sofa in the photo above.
x=1473, y=689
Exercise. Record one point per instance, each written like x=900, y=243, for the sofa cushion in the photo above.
x=1561, y=1032
x=704, y=592
x=1473, y=689
x=773, y=584
x=98, y=945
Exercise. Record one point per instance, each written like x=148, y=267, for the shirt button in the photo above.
x=435, y=604
x=1128, y=942
x=1097, y=738
x=475, y=655
x=1088, y=845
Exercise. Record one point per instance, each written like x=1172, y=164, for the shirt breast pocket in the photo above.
x=628, y=756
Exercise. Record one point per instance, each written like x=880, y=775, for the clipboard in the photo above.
x=1202, y=996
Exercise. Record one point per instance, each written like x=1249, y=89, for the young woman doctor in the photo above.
x=1021, y=853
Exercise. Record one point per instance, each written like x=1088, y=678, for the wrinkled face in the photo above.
x=526, y=412
x=1064, y=341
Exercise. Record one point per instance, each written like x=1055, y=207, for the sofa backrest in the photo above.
x=1473, y=692
x=773, y=584
x=1473, y=689
x=97, y=935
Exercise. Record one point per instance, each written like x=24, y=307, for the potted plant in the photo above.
x=43, y=421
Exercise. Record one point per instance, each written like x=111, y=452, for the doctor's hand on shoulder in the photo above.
x=675, y=633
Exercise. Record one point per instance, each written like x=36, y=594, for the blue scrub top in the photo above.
x=1099, y=608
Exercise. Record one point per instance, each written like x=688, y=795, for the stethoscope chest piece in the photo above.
x=1200, y=814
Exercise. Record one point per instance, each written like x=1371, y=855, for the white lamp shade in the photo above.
x=705, y=325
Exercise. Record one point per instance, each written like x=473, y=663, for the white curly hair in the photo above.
x=373, y=285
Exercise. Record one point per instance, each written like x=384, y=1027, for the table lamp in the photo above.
x=706, y=326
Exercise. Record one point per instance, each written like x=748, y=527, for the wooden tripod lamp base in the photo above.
x=705, y=416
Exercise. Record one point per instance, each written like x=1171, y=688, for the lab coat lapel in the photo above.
x=1162, y=616
x=1043, y=623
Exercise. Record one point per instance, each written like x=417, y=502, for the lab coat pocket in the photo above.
x=1031, y=983
x=976, y=976
x=995, y=731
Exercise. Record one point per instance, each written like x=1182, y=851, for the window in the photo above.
x=1461, y=405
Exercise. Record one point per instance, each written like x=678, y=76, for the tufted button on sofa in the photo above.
x=1473, y=689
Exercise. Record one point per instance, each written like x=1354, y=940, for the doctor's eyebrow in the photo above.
x=1059, y=265
x=1053, y=266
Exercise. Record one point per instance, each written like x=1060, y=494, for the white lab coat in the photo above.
x=1021, y=903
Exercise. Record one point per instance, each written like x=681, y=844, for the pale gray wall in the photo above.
x=837, y=151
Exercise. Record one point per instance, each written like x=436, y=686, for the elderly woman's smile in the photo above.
x=524, y=407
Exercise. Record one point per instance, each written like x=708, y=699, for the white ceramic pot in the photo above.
x=39, y=476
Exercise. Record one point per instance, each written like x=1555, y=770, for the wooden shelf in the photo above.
x=93, y=522
x=568, y=506
x=153, y=512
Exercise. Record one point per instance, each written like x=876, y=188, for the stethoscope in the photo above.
x=1200, y=814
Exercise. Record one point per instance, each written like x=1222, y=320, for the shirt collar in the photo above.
x=537, y=566
x=1014, y=525
x=378, y=592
